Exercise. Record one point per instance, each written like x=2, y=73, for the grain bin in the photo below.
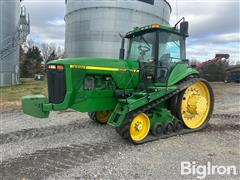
x=14, y=28
x=93, y=27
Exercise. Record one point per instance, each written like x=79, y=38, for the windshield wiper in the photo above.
x=145, y=41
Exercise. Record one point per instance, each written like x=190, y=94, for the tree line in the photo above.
x=214, y=71
x=33, y=57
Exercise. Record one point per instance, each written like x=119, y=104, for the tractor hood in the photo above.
x=104, y=64
x=125, y=73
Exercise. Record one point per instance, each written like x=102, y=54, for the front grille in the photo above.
x=56, y=86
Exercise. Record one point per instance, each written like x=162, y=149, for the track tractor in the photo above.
x=150, y=92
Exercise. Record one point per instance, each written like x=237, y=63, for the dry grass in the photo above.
x=11, y=95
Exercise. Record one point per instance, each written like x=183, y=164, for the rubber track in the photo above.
x=181, y=87
x=43, y=163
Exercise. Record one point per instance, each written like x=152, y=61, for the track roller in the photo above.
x=168, y=128
x=178, y=125
x=157, y=129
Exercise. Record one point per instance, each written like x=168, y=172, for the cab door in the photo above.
x=144, y=48
x=171, y=50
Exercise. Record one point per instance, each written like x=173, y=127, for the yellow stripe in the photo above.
x=102, y=68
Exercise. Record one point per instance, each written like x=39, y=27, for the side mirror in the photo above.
x=184, y=28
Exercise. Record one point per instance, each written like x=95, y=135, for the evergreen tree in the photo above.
x=31, y=62
x=215, y=71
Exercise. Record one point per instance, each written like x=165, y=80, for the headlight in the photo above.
x=57, y=67
x=51, y=67
x=60, y=67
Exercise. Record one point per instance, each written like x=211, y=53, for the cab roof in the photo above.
x=151, y=28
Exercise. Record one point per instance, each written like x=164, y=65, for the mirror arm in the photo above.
x=182, y=19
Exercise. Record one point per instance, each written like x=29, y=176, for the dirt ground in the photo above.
x=69, y=145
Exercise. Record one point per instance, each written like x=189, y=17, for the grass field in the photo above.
x=27, y=87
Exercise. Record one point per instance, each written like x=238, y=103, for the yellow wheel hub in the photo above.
x=139, y=127
x=103, y=116
x=195, y=105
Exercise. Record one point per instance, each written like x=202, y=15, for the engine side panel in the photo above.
x=92, y=83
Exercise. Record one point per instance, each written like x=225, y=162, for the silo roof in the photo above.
x=163, y=0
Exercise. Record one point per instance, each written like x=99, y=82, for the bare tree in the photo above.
x=27, y=45
x=60, y=52
x=47, y=49
x=194, y=62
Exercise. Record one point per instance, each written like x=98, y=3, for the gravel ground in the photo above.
x=68, y=145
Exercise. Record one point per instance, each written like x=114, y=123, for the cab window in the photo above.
x=171, y=48
x=143, y=47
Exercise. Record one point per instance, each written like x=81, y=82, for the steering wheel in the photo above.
x=143, y=49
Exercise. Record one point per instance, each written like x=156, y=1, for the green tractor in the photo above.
x=151, y=93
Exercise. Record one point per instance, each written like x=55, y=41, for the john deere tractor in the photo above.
x=150, y=92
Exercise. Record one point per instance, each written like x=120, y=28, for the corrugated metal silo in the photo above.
x=93, y=27
x=13, y=32
x=9, y=58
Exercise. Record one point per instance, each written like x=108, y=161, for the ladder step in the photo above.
x=117, y=115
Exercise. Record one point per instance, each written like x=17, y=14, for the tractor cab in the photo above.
x=158, y=48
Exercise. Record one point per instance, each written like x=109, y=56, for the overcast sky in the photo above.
x=214, y=25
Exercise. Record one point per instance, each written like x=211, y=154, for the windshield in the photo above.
x=171, y=47
x=143, y=47
x=158, y=52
